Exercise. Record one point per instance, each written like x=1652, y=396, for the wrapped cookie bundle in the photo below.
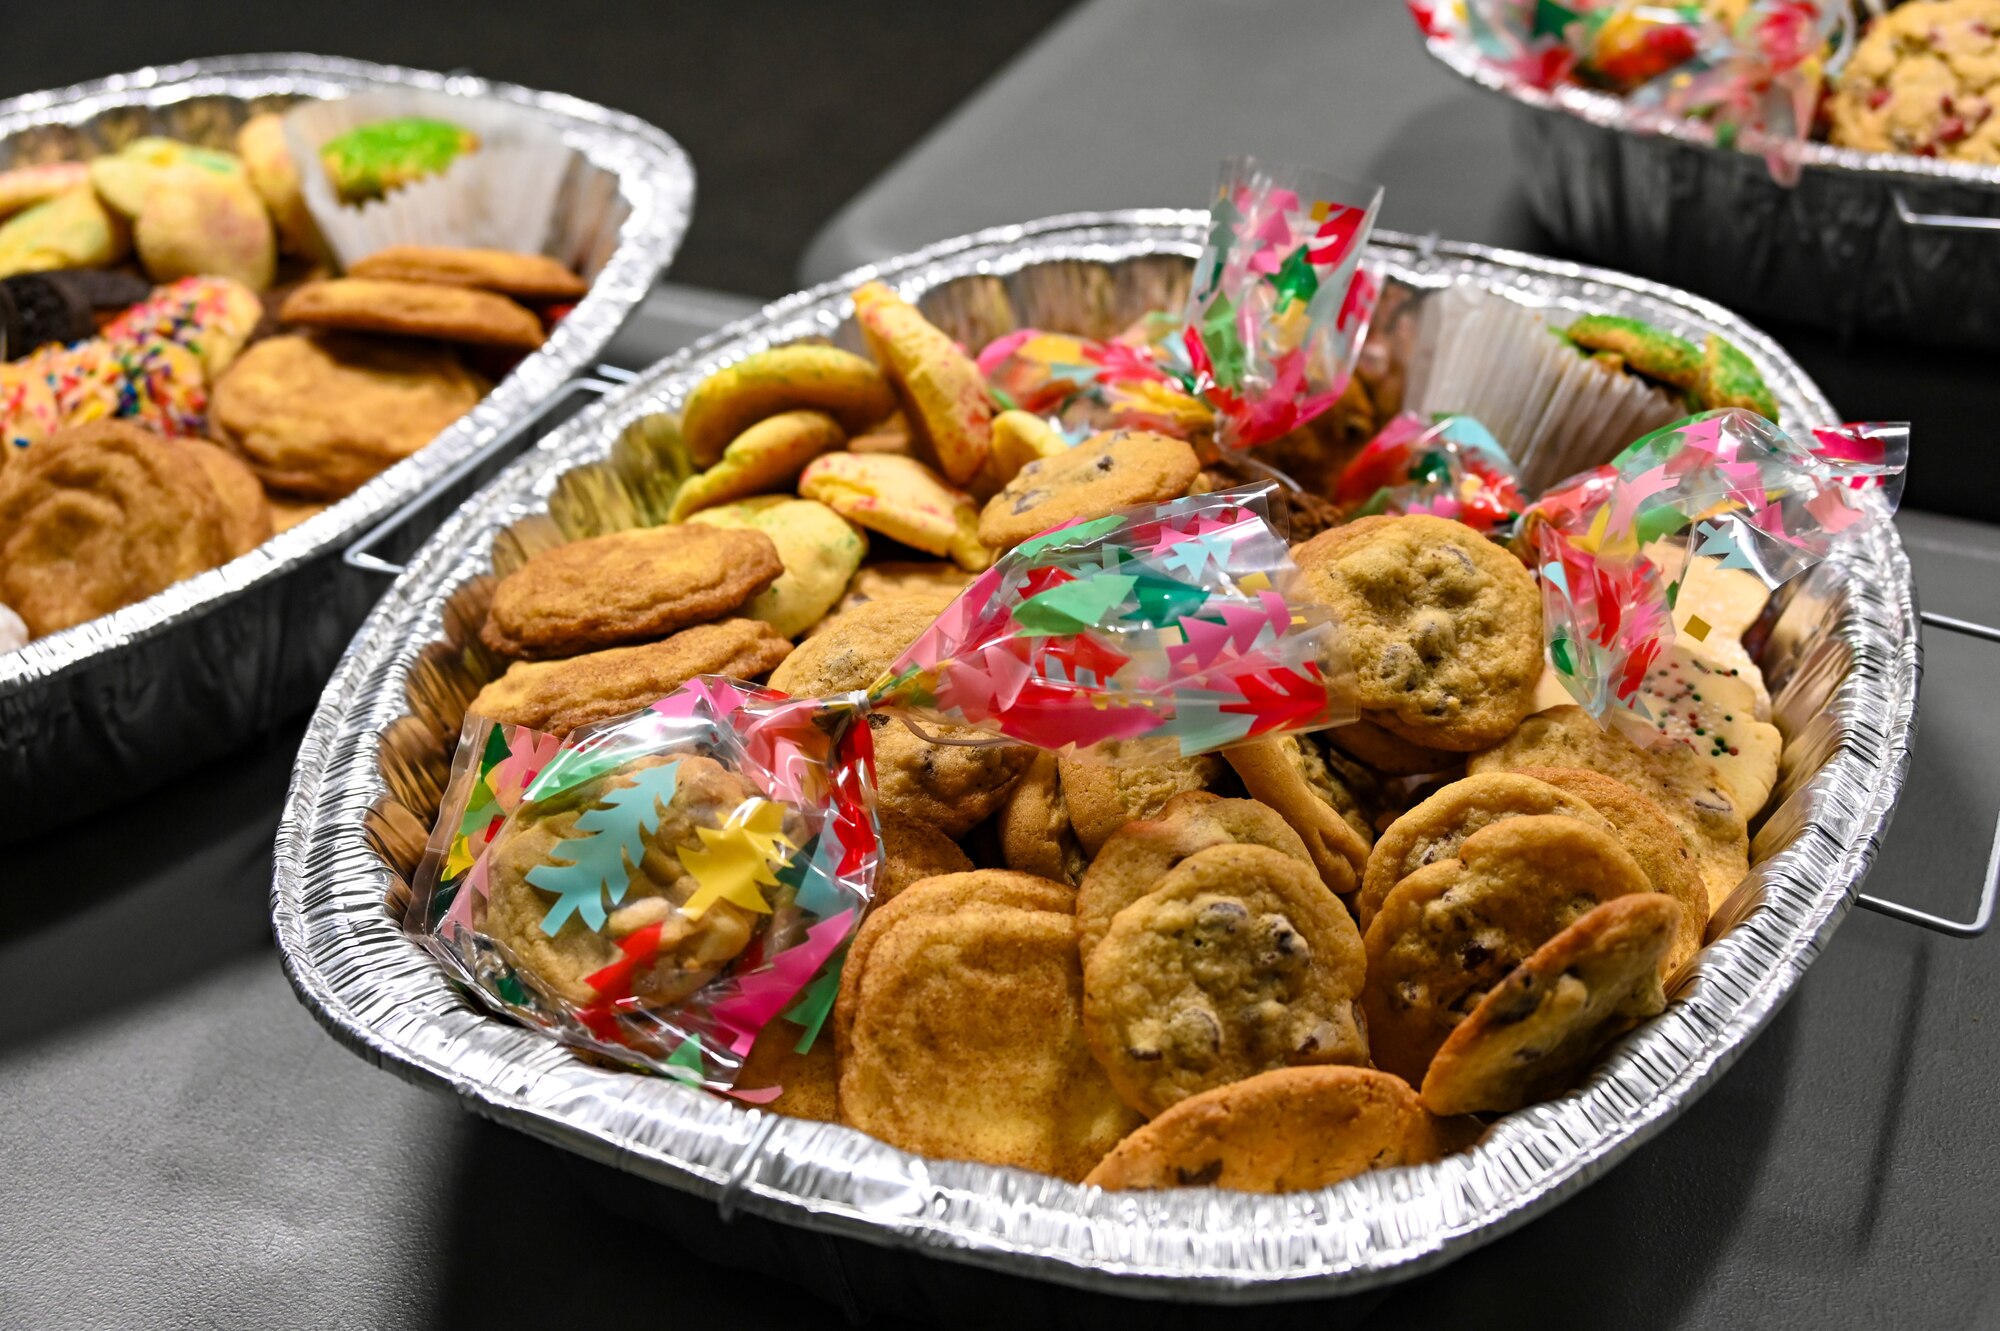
x=1156, y=843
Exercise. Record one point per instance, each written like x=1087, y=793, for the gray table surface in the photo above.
x=180, y=1145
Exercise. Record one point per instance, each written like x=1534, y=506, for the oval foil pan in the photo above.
x=1846, y=249
x=105, y=710
x=1841, y=656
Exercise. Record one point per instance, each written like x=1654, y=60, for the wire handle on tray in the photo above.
x=601, y=380
x=1915, y=220
x=1983, y=918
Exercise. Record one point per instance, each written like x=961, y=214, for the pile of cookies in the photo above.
x=182, y=375
x=1266, y=969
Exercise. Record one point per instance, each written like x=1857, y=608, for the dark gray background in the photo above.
x=181, y=1145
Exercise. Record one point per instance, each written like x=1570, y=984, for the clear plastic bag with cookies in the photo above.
x=664, y=887
x=660, y=887
x=1267, y=341
x=1727, y=485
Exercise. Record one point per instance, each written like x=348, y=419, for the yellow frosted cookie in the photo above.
x=1019, y=437
x=942, y=391
x=72, y=230
x=819, y=549
x=901, y=498
x=845, y=386
x=124, y=179
x=768, y=456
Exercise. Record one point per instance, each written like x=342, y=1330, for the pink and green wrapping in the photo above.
x=1274, y=323
x=1728, y=483
x=1755, y=71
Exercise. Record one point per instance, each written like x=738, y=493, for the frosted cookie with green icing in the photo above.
x=372, y=160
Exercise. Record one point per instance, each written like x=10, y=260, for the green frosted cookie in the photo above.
x=372, y=160
x=1728, y=379
x=1652, y=352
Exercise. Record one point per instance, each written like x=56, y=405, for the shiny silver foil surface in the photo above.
x=106, y=710
x=1841, y=654
x=1845, y=249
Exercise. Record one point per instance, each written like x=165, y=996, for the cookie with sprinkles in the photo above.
x=1715, y=714
x=211, y=316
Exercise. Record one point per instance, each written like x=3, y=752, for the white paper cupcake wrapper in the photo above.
x=501, y=196
x=1554, y=411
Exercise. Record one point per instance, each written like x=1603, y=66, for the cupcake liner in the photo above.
x=501, y=196
x=1554, y=411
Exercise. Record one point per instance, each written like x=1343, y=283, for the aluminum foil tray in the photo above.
x=1841, y=654
x=1884, y=243
x=110, y=708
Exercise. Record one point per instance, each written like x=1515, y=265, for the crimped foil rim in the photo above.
x=655, y=178
x=1456, y=51
x=380, y=995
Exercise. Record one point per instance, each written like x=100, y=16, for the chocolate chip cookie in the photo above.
x=1452, y=930
x=1107, y=472
x=1444, y=627
x=1239, y=961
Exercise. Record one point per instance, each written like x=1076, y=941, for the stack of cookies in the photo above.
x=1266, y=969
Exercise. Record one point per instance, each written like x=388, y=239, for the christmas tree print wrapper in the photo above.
x=761, y=896
x=1724, y=483
x=667, y=930
x=1752, y=68
x=1274, y=323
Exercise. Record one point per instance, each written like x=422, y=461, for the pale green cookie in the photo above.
x=819, y=549
x=69, y=231
x=123, y=179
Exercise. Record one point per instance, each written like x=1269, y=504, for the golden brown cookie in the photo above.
x=875, y=582
x=1700, y=807
x=687, y=953
x=845, y=386
x=414, y=309
x=952, y=787
x=626, y=587
x=1290, y=774
x=1106, y=790
x=1921, y=80
x=1444, y=627
x=1534, y=1033
x=534, y=277
x=1109, y=471
x=1452, y=930
x=1653, y=842
x=967, y=1044
x=561, y=696
x=941, y=896
x=1387, y=753
x=1140, y=854
x=1237, y=962
x=1282, y=1131
x=100, y=516
x=287, y=513
x=246, y=516
x=911, y=852
x=809, y=1082
x=1436, y=828
x=1034, y=827
x=318, y=416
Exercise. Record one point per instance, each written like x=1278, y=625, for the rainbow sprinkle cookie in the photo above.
x=210, y=316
